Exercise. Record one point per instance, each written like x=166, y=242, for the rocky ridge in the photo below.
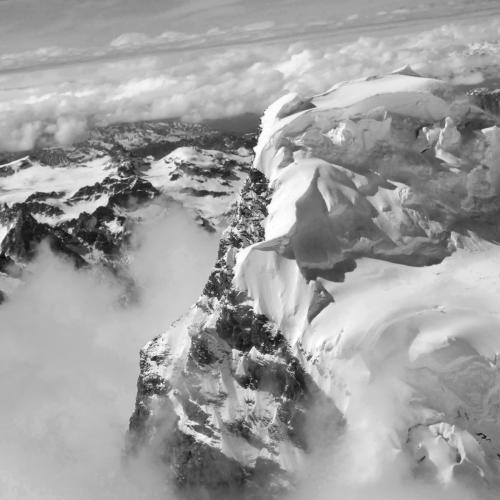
x=234, y=395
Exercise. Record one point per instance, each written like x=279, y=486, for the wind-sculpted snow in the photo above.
x=394, y=172
x=354, y=302
x=386, y=195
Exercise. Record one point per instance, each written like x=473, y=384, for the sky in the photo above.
x=29, y=24
x=66, y=65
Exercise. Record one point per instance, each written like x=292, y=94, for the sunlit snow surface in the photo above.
x=205, y=182
x=387, y=197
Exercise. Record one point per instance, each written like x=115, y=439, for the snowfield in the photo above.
x=201, y=180
x=34, y=177
x=386, y=198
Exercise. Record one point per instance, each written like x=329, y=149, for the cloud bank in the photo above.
x=59, y=104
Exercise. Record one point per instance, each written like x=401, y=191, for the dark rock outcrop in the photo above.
x=21, y=242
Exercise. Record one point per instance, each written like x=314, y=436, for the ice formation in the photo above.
x=359, y=275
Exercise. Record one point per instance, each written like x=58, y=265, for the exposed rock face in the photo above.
x=233, y=393
x=335, y=287
x=22, y=240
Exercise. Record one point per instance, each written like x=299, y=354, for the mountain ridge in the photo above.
x=379, y=179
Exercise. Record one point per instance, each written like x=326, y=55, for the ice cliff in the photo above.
x=355, y=297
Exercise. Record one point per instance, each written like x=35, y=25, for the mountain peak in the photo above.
x=341, y=289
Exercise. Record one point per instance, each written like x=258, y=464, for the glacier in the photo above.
x=353, y=307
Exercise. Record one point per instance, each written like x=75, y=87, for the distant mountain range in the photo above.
x=85, y=200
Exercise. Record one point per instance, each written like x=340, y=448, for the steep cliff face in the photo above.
x=354, y=279
x=221, y=394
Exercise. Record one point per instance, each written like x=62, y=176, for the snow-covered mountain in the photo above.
x=86, y=200
x=355, y=299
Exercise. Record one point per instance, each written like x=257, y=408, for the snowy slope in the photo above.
x=386, y=195
x=355, y=298
x=203, y=181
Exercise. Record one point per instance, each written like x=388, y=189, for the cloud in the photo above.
x=128, y=39
x=141, y=40
x=69, y=359
x=59, y=104
x=69, y=362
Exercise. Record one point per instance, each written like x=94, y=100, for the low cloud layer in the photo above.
x=59, y=104
x=69, y=363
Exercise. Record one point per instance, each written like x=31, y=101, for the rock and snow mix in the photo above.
x=358, y=276
x=203, y=181
x=380, y=175
x=85, y=200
